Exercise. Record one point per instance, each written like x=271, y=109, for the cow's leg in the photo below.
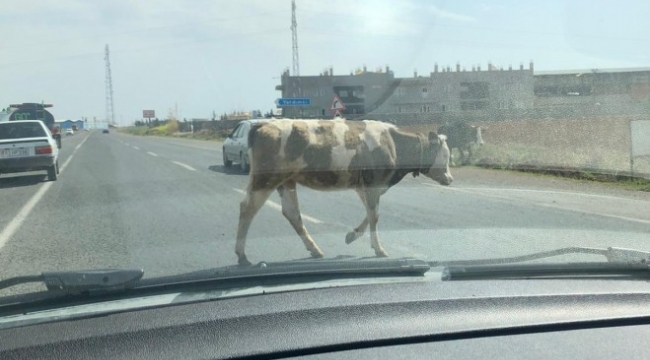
x=255, y=197
x=357, y=232
x=463, y=159
x=469, y=154
x=372, y=210
x=361, y=229
x=291, y=211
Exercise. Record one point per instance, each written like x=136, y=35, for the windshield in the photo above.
x=435, y=130
x=11, y=130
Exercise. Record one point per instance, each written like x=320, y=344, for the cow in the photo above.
x=366, y=156
x=461, y=136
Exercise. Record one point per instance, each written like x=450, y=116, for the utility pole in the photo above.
x=110, y=114
x=294, y=38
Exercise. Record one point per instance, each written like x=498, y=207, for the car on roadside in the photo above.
x=69, y=132
x=235, y=147
x=105, y=131
x=28, y=145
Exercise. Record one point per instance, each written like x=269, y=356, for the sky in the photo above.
x=203, y=56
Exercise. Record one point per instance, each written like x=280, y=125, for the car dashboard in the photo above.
x=506, y=319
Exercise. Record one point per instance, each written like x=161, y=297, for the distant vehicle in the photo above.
x=105, y=131
x=28, y=145
x=75, y=127
x=69, y=132
x=235, y=148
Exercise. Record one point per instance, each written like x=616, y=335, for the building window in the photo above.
x=444, y=108
x=322, y=112
x=428, y=108
x=424, y=90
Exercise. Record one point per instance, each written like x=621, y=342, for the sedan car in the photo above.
x=69, y=132
x=27, y=145
x=235, y=148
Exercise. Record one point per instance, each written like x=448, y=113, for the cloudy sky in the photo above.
x=225, y=55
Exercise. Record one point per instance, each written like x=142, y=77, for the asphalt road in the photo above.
x=169, y=206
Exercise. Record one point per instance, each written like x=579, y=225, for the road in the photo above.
x=169, y=206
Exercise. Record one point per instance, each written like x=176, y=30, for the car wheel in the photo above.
x=53, y=171
x=226, y=163
x=243, y=163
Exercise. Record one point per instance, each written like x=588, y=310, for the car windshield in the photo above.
x=11, y=130
x=435, y=130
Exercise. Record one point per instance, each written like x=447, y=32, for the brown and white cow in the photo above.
x=366, y=156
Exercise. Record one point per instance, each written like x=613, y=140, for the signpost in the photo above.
x=293, y=102
x=337, y=106
x=148, y=114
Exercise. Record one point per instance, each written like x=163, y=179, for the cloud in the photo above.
x=448, y=15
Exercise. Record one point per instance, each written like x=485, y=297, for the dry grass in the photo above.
x=599, y=145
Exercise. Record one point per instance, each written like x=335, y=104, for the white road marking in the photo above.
x=137, y=148
x=152, y=154
x=278, y=207
x=595, y=213
x=24, y=212
x=184, y=165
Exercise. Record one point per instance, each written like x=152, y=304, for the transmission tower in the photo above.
x=110, y=114
x=294, y=38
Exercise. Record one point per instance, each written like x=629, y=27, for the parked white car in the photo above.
x=235, y=148
x=27, y=145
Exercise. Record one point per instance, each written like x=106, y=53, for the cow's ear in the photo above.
x=433, y=136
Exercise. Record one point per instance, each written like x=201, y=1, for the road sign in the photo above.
x=293, y=102
x=337, y=104
x=148, y=114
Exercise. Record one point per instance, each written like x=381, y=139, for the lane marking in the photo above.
x=24, y=212
x=272, y=204
x=594, y=213
x=184, y=165
x=152, y=154
x=137, y=148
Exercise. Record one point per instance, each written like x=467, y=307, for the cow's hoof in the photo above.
x=243, y=261
x=381, y=253
x=350, y=237
x=316, y=254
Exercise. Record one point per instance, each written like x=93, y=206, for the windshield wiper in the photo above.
x=75, y=282
x=613, y=255
x=569, y=270
x=624, y=263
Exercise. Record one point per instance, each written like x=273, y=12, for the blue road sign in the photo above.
x=293, y=102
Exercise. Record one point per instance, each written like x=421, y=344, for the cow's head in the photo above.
x=437, y=154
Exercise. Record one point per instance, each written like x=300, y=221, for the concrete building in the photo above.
x=361, y=93
x=581, y=93
x=449, y=94
x=439, y=94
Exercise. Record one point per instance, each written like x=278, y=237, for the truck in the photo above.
x=33, y=111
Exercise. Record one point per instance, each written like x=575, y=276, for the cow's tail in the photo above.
x=252, y=134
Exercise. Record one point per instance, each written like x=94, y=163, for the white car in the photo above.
x=235, y=148
x=69, y=132
x=27, y=145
